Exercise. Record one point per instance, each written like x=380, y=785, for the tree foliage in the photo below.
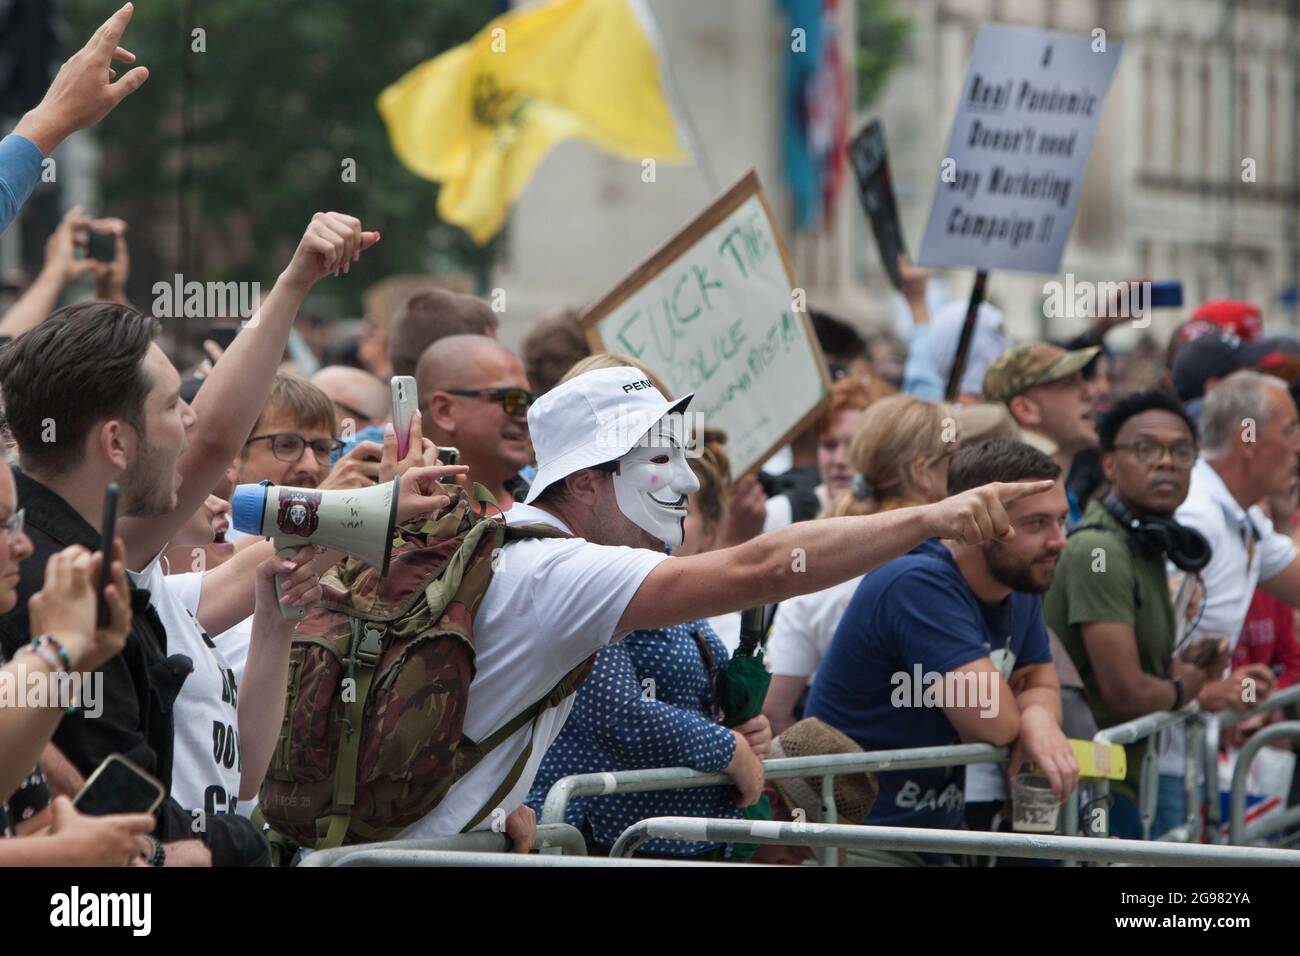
x=242, y=132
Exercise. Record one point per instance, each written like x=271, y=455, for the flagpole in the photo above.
x=689, y=131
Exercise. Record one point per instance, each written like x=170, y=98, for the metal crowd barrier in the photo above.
x=826, y=767
x=695, y=829
x=1200, y=775
x=561, y=837
x=381, y=855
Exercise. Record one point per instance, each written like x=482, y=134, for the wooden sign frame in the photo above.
x=739, y=193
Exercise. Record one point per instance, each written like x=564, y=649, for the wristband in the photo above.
x=159, y=855
x=50, y=642
x=1178, y=692
x=51, y=650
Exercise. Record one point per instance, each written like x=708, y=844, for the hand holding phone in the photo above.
x=405, y=403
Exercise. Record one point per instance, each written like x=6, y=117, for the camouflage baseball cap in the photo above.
x=1017, y=370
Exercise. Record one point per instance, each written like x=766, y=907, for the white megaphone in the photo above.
x=358, y=521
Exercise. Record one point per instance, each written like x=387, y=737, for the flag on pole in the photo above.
x=816, y=110
x=480, y=117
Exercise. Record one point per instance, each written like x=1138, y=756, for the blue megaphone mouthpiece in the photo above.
x=247, y=505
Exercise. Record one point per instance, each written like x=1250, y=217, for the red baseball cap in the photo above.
x=1241, y=318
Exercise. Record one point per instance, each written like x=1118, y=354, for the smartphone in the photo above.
x=106, y=549
x=449, y=455
x=101, y=246
x=1166, y=294
x=405, y=403
x=119, y=786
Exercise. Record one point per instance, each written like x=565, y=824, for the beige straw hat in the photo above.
x=855, y=794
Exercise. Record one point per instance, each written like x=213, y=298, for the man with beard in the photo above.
x=1110, y=603
x=91, y=399
x=947, y=645
x=474, y=396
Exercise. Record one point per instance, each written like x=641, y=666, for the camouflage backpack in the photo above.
x=378, y=686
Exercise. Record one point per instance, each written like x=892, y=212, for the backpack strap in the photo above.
x=361, y=664
x=561, y=691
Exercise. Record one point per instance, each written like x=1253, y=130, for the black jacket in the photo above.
x=140, y=685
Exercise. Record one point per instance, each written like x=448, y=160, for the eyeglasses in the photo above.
x=1150, y=452
x=514, y=400
x=289, y=447
x=13, y=527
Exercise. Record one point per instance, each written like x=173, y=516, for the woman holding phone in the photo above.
x=64, y=639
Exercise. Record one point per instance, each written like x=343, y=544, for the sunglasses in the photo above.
x=515, y=401
x=289, y=447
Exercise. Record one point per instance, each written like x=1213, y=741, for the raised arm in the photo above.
x=83, y=91
x=236, y=391
x=61, y=268
x=811, y=556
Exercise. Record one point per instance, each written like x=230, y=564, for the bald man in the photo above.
x=474, y=395
x=356, y=394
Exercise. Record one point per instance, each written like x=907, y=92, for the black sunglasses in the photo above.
x=289, y=447
x=515, y=401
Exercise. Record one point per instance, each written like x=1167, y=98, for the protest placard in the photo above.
x=714, y=311
x=870, y=161
x=1009, y=182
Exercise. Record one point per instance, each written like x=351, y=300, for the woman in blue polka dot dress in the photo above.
x=650, y=701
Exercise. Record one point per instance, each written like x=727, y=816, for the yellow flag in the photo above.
x=480, y=117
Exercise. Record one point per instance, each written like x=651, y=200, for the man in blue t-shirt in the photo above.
x=947, y=644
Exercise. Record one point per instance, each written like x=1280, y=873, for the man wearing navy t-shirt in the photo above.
x=947, y=644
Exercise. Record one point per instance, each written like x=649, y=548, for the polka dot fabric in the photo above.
x=649, y=701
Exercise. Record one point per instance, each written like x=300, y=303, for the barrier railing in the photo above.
x=1083, y=849
x=560, y=837
x=1238, y=832
x=826, y=767
x=380, y=855
x=1201, y=785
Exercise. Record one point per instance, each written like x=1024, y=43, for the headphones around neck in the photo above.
x=1186, y=547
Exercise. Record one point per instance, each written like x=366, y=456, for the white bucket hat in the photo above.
x=591, y=419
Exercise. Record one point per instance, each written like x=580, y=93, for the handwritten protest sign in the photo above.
x=713, y=312
x=1009, y=182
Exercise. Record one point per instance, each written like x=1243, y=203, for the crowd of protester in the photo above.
x=1088, y=540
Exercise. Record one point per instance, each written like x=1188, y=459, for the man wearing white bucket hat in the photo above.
x=612, y=472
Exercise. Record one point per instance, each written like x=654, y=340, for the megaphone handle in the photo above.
x=290, y=613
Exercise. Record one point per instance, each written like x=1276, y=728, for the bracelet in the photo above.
x=51, y=650
x=1178, y=692
x=158, y=856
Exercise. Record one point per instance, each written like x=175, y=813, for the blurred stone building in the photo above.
x=1207, y=94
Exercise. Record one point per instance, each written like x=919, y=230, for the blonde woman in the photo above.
x=899, y=456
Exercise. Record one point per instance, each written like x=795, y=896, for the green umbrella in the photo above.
x=742, y=686
x=743, y=680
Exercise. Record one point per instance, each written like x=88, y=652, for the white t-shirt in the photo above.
x=1246, y=550
x=804, y=627
x=233, y=646
x=551, y=604
x=205, y=757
